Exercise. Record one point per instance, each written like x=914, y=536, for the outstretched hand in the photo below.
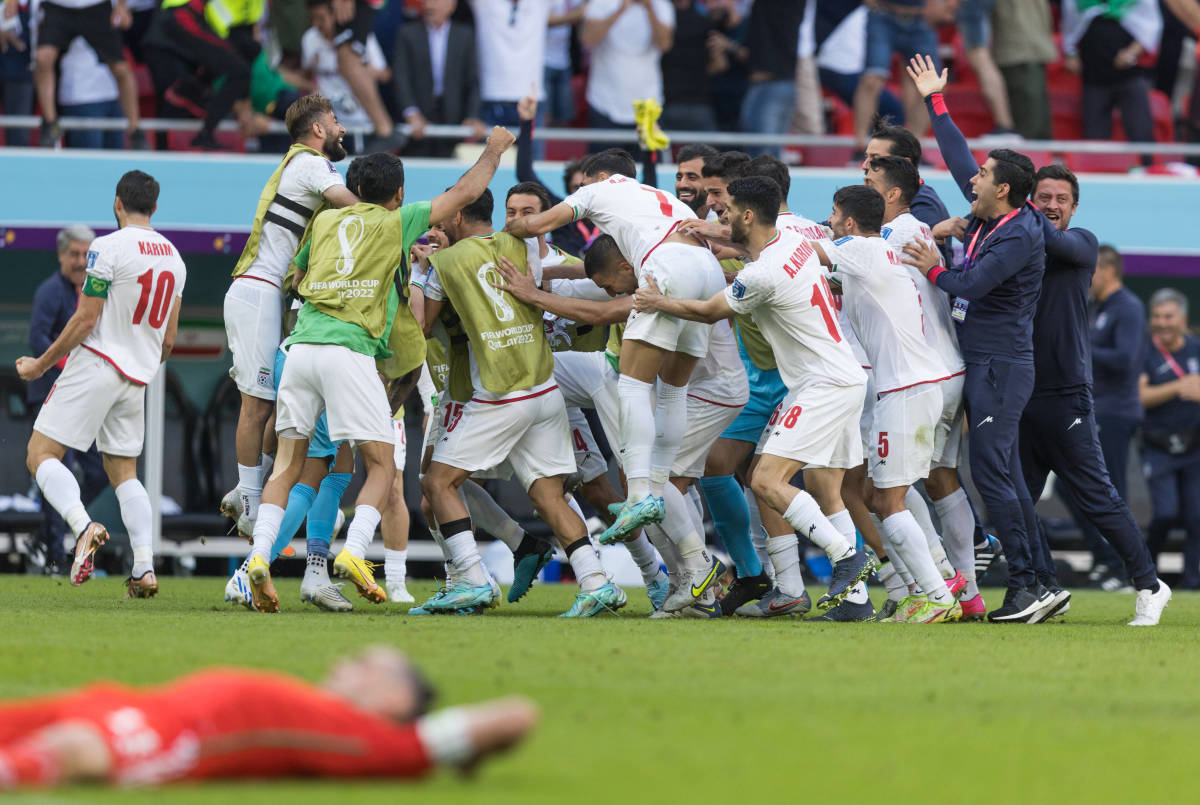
x=647, y=296
x=516, y=282
x=925, y=75
x=922, y=256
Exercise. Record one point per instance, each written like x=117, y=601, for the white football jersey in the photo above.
x=720, y=376
x=637, y=216
x=884, y=307
x=143, y=275
x=787, y=294
x=301, y=190
x=939, y=326
x=801, y=225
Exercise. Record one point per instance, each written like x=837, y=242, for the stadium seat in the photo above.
x=1101, y=163
x=969, y=110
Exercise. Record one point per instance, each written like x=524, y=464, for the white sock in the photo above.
x=61, y=490
x=250, y=484
x=636, y=437
x=920, y=512
x=894, y=557
x=574, y=504
x=670, y=425
x=785, y=558
x=361, y=530
x=666, y=548
x=645, y=556
x=958, y=530
x=804, y=515
x=316, y=571
x=681, y=528
x=266, y=529
x=441, y=543
x=136, y=515
x=465, y=563
x=695, y=508
x=585, y=561
x=395, y=565
x=896, y=589
x=487, y=515
x=758, y=535
x=266, y=463
x=909, y=542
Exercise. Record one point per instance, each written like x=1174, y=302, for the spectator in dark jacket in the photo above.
x=437, y=76
x=54, y=303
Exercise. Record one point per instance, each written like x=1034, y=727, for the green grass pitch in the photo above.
x=1081, y=710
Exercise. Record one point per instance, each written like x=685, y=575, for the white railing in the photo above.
x=722, y=138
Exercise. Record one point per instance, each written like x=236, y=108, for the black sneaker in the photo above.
x=51, y=134
x=846, y=574
x=1021, y=604
x=743, y=591
x=849, y=612
x=206, y=141
x=138, y=141
x=888, y=609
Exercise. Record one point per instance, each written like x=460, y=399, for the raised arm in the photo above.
x=950, y=140
x=471, y=184
x=713, y=309
x=593, y=31
x=530, y=226
x=527, y=110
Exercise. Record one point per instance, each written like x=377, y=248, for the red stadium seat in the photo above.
x=826, y=156
x=969, y=110
x=1101, y=163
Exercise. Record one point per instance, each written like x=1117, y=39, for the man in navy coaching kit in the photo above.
x=1058, y=428
x=996, y=293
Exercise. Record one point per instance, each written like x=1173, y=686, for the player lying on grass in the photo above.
x=367, y=719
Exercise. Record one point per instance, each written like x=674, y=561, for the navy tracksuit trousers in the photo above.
x=1058, y=433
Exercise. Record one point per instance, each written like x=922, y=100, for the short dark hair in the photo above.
x=862, y=204
x=354, y=174
x=1109, y=256
x=1061, y=173
x=612, y=161
x=727, y=165
x=381, y=176
x=480, y=210
x=601, y=256
x=899, y=172
x=760, y=194
x=570, y=169
x=304, y=112
x=772, y=168
x=138, y=192
x=904, y=142
x=1015, y=170
x=530, y=189
x=695, y=151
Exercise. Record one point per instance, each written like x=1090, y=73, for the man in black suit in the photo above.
x=437, y=77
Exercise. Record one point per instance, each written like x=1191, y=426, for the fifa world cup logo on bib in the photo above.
x=488, y=274
x=350, y=233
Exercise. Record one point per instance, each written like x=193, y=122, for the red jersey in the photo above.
x=226, y=723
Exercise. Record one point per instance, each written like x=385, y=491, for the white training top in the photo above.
x=301, y=185
x=638, y=217
x=940, y=334
x=786, y=292
x=510, y=38
x=625, y=65
x=885, y=310
x=144, y=275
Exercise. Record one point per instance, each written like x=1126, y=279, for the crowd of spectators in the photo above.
x=760, y=66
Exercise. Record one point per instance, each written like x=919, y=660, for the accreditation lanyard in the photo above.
x=1169, y=358
x=958, y=310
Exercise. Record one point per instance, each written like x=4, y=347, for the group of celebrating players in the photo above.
x=726, y=344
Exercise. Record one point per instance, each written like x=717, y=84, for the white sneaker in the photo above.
x=1148, y=608
x=398, y=592
x=237, y=589
x=245, y=527
x=339, y=523
x=693, y=585
x=231, y=504
x=327, y=597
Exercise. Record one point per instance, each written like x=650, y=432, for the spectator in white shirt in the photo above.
x=628, y=38
x=511, y=37
x=86, y=88
x=319, y=55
